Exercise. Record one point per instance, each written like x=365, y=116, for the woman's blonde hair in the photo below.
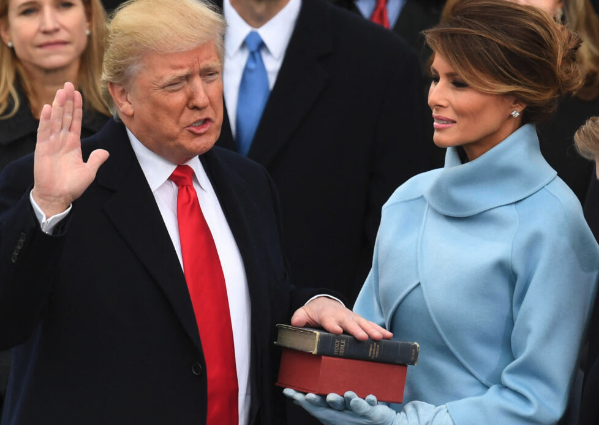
x=499, y=47
x=141, y=26
x=587, y=139
x=580, y=17
x=89, y=70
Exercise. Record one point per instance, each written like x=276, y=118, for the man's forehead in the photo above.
x=200, y=57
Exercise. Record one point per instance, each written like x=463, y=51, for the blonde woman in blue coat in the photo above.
x=488, y=262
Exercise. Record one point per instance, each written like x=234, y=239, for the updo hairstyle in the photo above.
x=504, y=48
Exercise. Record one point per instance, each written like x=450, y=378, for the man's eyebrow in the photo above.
x=210, y=65
x=174, y=77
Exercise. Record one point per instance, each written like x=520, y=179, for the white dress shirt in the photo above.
x=276, y=34
x=157, y=171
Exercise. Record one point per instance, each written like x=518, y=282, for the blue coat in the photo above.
x=490, y=266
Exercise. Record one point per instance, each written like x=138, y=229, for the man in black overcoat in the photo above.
x=97, y=296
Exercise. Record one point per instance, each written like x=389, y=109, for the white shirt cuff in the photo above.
x=47, y=224
x=324, y=295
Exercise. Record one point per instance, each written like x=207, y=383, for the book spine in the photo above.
x=384, y=351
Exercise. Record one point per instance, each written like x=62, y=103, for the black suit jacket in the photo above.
x=99, y=314
x=341, y=130
x=415, y=17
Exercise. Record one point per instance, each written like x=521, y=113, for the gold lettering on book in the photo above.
x=342, y=348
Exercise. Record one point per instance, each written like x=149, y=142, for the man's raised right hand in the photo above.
x=60, y=174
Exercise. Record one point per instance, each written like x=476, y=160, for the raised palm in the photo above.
x=60, y=174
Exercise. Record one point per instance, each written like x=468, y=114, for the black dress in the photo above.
x=18, y=136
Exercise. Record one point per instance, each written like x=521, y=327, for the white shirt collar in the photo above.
x=158, y=170
x=276, y=33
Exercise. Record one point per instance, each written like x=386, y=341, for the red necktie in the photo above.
x=206, y=284
x=379, y=16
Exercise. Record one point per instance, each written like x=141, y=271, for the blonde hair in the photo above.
x=499, y=47
x=90, y=67
x=587, y=139
x=581, y=18
x=141, y=26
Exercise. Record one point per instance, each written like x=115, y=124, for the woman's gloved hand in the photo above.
x=347, y=410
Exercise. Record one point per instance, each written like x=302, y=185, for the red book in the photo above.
x=316, y=374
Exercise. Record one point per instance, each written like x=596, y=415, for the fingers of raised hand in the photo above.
x=77, y=114
x=67, y=113
x=57, y=112
x=96, y=158
x=43, y=129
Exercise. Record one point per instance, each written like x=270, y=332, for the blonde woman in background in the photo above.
x=44, y=44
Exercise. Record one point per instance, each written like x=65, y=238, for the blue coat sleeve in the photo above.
x=554, y=262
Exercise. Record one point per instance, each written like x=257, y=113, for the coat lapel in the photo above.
x=242, y=216
x=134, y=213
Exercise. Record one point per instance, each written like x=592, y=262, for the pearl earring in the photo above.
x=515, y=114
x=88, y=32
x=9, y=44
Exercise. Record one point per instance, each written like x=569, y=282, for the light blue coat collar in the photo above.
x=511, y=171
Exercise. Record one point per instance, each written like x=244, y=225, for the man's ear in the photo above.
x=120, y=96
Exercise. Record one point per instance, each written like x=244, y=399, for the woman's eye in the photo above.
x=459, y=84
x=66, y=5
x=435, y=79
x=27, y=11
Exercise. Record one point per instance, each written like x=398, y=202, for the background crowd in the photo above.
x=334, y=107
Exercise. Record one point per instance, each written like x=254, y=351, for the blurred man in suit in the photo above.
x=407, y=18
x=147, y=291
x=336, y=122
x=331, y=105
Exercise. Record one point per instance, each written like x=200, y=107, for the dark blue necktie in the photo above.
x=253, y=94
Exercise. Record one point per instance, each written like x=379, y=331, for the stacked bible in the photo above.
x=318, y=362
